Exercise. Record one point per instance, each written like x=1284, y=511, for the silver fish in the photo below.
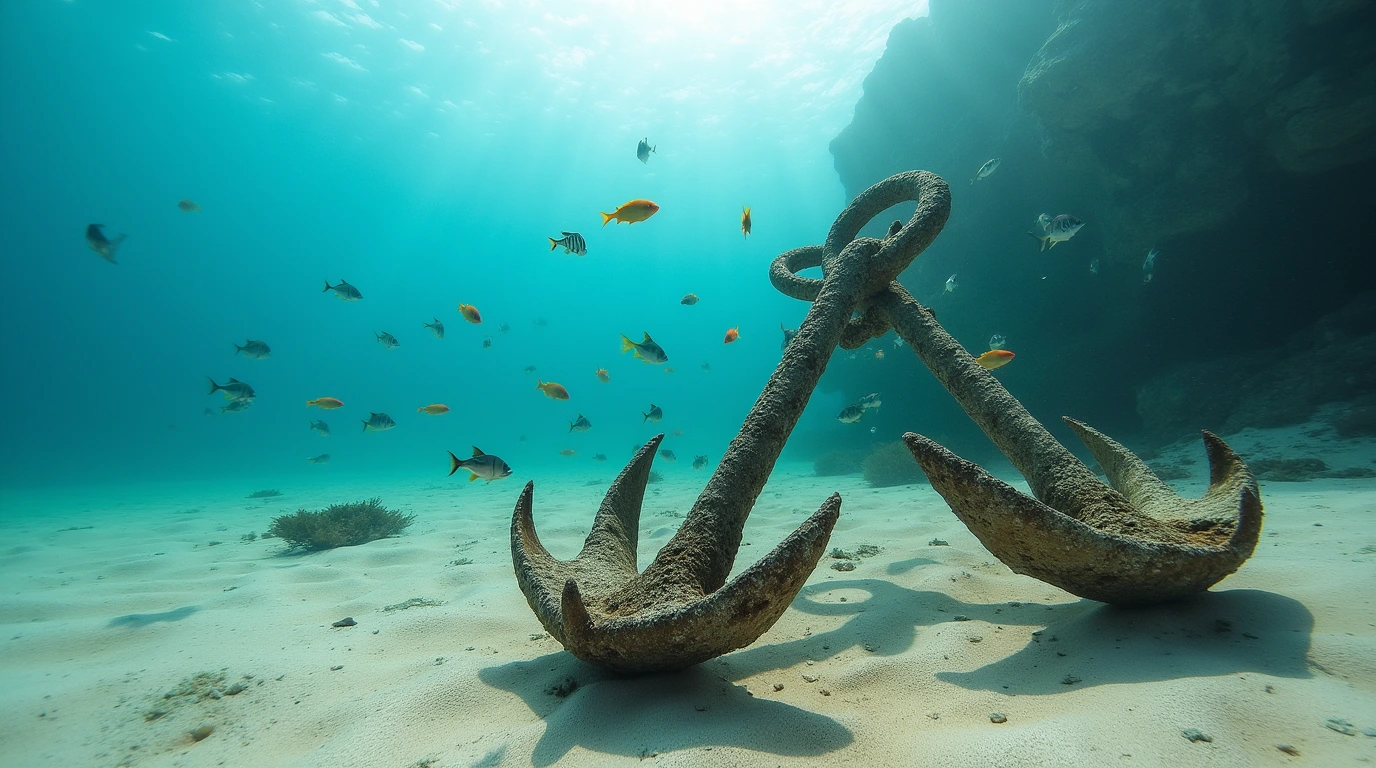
x=1149, y=266
x=699, y=462
x=102, y=245
x=436, y=328
x=1057, y=230
x=581, y=424
x=646, y=350
x=789, y=333
x=258, y=350
x=323, y=458
x=236, y=405
x=997, y=341
x=487, y=342
x=503, y=327
x=951, y=284
x=343, y=290
x=1094, y=267
x=986, y=170
x=667, y=455
x=643, y=150
x=572, y=242
x=870, y=401
x=483, y=465
x=851, y=414
x=320, y=427
x=655, y=414
x=387, y=340
x=234, y=390
x=378, y=422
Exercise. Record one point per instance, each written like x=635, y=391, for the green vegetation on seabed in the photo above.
x=340, y=525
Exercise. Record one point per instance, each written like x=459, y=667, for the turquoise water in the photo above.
x=423, y=152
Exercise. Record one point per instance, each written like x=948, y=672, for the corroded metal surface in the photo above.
x=682, y=610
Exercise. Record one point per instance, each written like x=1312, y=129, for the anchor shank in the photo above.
x=706, y=544
x=1057, y=477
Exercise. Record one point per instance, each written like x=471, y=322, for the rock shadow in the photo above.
x=631, y=717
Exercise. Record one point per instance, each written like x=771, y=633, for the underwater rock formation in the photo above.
x=1331, y=361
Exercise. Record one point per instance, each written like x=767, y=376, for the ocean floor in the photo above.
x=134, y=616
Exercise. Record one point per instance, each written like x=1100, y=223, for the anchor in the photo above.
x=681, y=610
x=1131, y=541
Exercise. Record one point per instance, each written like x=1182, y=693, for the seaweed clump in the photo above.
x=891, y=464
x=339, y=525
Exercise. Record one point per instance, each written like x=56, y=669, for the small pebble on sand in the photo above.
x=1194, y=734
x=347, y=621
x=998, y=717
x=202, y=732
x=1289, y=750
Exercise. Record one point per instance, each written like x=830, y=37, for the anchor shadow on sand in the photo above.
x=658, y=713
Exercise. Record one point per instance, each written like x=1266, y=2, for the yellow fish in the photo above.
x=631, y=212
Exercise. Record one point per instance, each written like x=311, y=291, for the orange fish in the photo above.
x=186, y=206
x=630, y=213
x=994, y=358
x=879, y=354
x=433, y=410
x=325, y=402
x=745, y=221
x=470, y=313
x=552, y=390
x=602, y=375
x=732, y=335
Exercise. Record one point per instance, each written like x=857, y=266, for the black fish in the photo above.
x=643, y=150
x=101, y=244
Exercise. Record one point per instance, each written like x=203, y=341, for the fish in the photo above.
x=669, y=369
x=631, y=212
x=552, y=390
x=528, y=369
x=699, y=462
x=851, y=414
x=1094, y=266
x=879, y=354
x=654, y=415
x=745, y=221
x=378, y=422
x=186, y=206
x=483, y=465
x=897, y=343
x=789, y=333
x=599, y=457
x=343, y=290
x=207, y=412
x=581, y=424
x=387, y=340
x=951, y=284
x=568, y=452
x=689, y=299
x=503, y=327
x=895, y=228
x=258, y=350
x=470, y=313
x=732, y=334
x=677, y=433
x=323, y=458
x=997, y=341
x=572, y=242
x=667, y=455
x=538, y=322
x=102, y=245
x=602, y=375
x=487, y=342
x=994, y=358
x=434, y=409
x=325, y=402
x=986, y=170
x=234, y=390
x=643, y=150
x=320, y=428
x=236, y=405
x=1149, y=266
x=706, y=366
x=436, y=328
x=870, y=401
x=1058, y=229
x=646, y=350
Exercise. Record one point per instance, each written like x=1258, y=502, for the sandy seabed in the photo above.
x=121, y=616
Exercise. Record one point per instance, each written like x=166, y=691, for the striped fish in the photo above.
x=572, y=242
